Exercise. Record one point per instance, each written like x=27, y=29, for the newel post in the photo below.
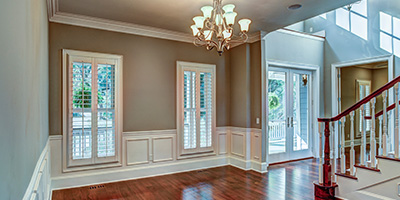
x=327, y=174
x=326, y=189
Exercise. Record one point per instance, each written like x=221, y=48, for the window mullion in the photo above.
x=94, y=110
x=197, y=109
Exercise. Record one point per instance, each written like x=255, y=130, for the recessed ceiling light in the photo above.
x=294, y=7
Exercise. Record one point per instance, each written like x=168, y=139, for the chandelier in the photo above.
x=215, y=28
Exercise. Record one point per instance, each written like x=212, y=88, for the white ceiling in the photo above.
x=176, y=15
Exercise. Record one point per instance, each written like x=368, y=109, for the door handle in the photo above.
x=288, y=122
x=292, y=121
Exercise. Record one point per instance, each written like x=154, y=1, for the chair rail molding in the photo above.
x=57, y=16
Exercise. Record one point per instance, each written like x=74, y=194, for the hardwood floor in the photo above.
x=283, y=181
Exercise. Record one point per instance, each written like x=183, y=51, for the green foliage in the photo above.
x=273, y=100
x=83, y=98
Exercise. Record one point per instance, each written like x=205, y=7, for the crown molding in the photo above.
x=55, y=15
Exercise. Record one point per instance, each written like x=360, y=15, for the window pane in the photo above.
x=189, y=101
x=300, y=111
x=106, y=110
x=385, y=21
x=342, y=18
x=323, y=15
x=205, y=109
x=386, y=42
x=359, y=26
x=396, y=27
x=396, y=47
x=81, y=123
x=360, y=8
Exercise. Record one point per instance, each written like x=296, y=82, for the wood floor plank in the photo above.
x=283, y=181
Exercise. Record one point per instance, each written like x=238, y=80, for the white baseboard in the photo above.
x=40, y=185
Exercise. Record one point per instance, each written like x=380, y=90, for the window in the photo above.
x=363, y=89
x=92, y=108
x=323, y=15
x=389, y=33
x=355, y=20
x=196, y=107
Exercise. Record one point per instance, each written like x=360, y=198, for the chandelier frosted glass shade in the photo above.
x=215, y=28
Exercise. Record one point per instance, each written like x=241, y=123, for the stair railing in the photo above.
x=327, y=179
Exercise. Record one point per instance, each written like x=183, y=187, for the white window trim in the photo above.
x=190, y=66
x=391, y=35
x=66, y=55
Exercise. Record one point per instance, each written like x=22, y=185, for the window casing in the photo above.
x=92, y=107
x=195, y=108
x=363, y=89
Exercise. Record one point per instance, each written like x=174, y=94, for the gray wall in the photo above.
x=342, y=45
x=299, y=50
x=24, y=92
x=149, y=75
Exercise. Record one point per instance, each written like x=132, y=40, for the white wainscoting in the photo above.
x=154, y=153
x=39, y=187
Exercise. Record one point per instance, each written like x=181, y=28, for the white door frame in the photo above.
x=315, y=105
x=335, y=84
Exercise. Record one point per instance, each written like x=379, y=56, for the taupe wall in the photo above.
x=245, y=61
x=349, y=76
x=149, y=75
x=23, y=92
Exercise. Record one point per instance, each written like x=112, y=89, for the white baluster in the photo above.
x=372, y=142
x=342, y=144
x=385, y=123
x=380, y=136
x=320, y=126
x=396, y=117
x=363, y=140
x=352, y=153
x=333, y=154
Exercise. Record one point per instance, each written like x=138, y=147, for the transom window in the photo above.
x=196, y=107
x=354, y=20
x=92, y=108
x=389, y=33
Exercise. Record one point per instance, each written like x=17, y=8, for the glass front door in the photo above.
x=289, y=114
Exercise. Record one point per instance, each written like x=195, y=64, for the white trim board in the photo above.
x=57, y=16
x=40, y=185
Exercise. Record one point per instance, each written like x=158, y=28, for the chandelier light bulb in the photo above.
x=227, y=34
x=195, y=30
x=244, y=25
x=230, y=18
x=199, y=21
x=207, y=10
x=228, y=8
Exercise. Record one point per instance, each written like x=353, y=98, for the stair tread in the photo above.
x=347, y=175
x=360, y=195
x=389, y=158
x=367, y=168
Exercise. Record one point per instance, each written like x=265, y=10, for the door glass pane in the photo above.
x=300, y=111
x=277, y=111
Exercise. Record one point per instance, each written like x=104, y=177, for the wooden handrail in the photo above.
x=362, y=101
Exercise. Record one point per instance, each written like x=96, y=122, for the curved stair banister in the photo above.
x=325, y=187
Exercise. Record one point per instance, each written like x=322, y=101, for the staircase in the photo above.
x=375, y=174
